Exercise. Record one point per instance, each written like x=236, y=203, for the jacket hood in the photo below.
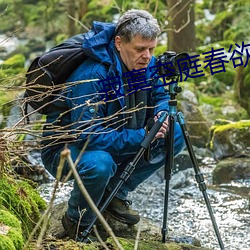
x=98, y=42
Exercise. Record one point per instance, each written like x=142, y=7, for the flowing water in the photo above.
x=187, y=212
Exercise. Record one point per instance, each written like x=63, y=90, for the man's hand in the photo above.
x=164, y=128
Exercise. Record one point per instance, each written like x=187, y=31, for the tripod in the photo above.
x=173, y=90
x=169, y=163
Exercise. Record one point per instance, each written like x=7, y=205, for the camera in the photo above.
x=172, y=64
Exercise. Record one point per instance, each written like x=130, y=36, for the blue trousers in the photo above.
x=100, y=170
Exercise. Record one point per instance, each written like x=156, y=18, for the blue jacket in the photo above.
x=89, y=117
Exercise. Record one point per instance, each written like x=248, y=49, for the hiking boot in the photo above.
x=75, y=231
x=121, y=211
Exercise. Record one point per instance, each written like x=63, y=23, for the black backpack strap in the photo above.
x=26, y=112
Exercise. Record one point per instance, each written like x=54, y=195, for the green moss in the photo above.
x=16, y=237
x=13, y=239
x=92, y=246
x=6, y=243
x=234, y=125
x=222, y=121
x=9, y=219
x=212, y=100
x=128, y=244
x=22, y=200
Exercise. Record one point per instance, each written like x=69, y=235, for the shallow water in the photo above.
x=187, y=212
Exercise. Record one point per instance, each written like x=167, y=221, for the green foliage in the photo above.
x=160, y=50
x=13, y=66
x=246, y=82
x=9, y=219
x=16, y=61
x=214, y=101
x=5, y=97
x=228, y=23
x=60, y=38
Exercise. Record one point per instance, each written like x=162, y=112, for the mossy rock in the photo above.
x=11, y=237
x=231, y=169
x=232, y=139
x=128, y=244
x=21, y=199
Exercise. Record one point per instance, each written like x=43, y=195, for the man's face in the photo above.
x=137, y=53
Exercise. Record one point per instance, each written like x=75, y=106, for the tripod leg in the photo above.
x=199, y=176
x=168, y=173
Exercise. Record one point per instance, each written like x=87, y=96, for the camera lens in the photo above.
x=181, y=62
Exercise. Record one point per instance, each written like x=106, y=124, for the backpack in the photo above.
x=47, y=74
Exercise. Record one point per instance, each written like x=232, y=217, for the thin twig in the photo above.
x=77, y=21
x=137, y=236
x=99, y=238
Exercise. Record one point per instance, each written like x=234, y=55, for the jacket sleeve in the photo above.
x=89, y=117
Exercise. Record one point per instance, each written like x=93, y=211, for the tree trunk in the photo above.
x=83, y=7
x=72, y=13
x=181, y=34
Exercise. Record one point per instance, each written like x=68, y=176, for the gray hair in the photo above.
x=137, y=22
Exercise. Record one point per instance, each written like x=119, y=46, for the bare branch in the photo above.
x=77, y=21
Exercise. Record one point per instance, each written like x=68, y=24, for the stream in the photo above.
x=187, y=212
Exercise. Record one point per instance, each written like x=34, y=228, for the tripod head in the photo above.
x=174, y=88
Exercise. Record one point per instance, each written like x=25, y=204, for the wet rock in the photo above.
x=189, y=96
x=31, y=167
x=231, y=169
x=181, y=179
x=227, y=110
